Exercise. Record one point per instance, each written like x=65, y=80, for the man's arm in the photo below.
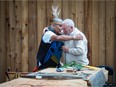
x=66, y=37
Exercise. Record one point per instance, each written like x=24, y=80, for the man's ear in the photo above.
x=71, y=27
x=53, y=25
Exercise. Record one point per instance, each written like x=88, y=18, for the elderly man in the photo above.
x=75, y=50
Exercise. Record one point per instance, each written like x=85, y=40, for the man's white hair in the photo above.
x=69, y=22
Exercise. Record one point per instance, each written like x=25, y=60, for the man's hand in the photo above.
x=65, y=49
x=78, y=37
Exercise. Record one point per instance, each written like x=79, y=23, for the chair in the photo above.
x=110, y=73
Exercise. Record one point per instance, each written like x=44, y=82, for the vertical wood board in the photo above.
x=24, y=24
x=95, y=33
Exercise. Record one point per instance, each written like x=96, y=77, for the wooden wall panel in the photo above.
x=41, y=19
x=109, y=32
x=110, y=54
x=7, y=37
x=11, y=47
x=18, y=35
x=48, y=12
x=115, y=44
x=2, y=41
x=95, y=32
x=24, y=36
x=79, y=15
x=32, y=34
x=64, y=12
x=70, y=10
x=88, y=27
x=101, y=32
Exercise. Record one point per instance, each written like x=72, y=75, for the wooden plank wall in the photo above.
x=114, y=43
x=22, y=23
x=3, y=53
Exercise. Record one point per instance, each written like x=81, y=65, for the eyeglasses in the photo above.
x=60, y=25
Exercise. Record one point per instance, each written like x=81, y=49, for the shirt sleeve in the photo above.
x=47, y=36
x=79, y=48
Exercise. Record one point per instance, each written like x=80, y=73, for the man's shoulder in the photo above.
x=48, y=34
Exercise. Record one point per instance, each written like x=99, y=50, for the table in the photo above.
x=27, y=82
x=94, y=77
